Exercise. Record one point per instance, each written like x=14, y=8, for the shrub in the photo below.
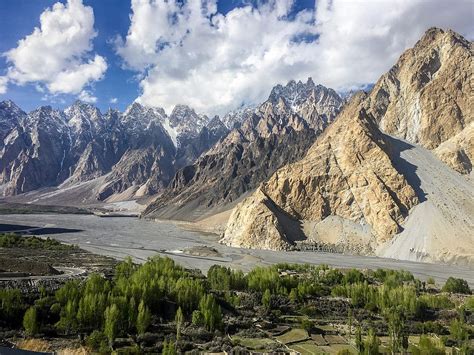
x=97, y=341
x=454, y=285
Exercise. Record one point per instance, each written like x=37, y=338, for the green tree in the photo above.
x=427, y=345
x=97, y=341
x=30, y=321
x=112, y=318
x=458, y=331
x=169, y=348
x=358, y=340
x=11, y=305
x=349, y=321
x=267, y=299
x=293, y=296
x=211, y=312
x=306, y=324
x=371, y=344
x=197, y=318
x=179, y=319
x=143, y=318
x=396, y=323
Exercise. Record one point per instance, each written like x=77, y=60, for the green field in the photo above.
x=253, y=343
x=293, y=335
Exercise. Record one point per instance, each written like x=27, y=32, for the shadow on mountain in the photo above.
x=32, y=230
x=404, y=167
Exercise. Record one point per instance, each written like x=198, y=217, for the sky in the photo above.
x=214, y=56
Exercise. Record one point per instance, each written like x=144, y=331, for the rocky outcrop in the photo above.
x=268, y=226
x=458, y=151
x=273, y=135
x=426, y=98
x=348, y=172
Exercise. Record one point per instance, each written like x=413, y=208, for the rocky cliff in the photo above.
x=348, y=172
x=426, y=98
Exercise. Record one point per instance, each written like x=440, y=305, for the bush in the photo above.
x=97, y=341
x=428, y=345
x=454, y=285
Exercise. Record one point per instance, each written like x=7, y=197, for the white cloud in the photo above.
x=86, y=96
x=113, y=100
x=189, y=53
x=57, y=54
x=3, y=84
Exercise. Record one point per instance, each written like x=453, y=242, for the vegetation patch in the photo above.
x=161, y=307
x=293, y=336
x=11, y=240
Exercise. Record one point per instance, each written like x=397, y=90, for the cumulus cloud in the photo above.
x=3, y=84
x=58, y=53
x=86, y=96
x=189, y=53
x=113, y=100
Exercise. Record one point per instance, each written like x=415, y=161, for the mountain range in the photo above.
x=373, y=182
x=386, y=172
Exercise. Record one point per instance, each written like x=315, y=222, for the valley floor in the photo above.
x=119, y=237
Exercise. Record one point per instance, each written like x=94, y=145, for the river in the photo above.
x=119, y=237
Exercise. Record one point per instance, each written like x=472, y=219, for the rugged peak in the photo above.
x=83, y=116
x=46, y=114
x=9, y=110
x=215, y=123
x=183, y=113
x=134, y=109
x=9, y=104
x=186, y=120
x=432, y=80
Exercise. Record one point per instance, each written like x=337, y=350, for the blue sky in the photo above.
x=112, y=18
x=214, y=56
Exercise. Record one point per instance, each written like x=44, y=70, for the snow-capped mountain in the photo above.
x=136, y=151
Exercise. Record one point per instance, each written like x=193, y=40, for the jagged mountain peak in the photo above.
x=83, y=116
x=215, y=123
x=9, y=104
x=46, y=114
x=184, y=119
x=10, y=111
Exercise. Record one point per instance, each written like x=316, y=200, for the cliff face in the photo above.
x=348, y=172
x=458, y=151
x=426, y=98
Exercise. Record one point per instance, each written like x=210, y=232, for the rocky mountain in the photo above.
x=426, y=98
x=458, y=151
x=363, y=190
x=279, y=131
x=134, y=153
x=235, y=118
